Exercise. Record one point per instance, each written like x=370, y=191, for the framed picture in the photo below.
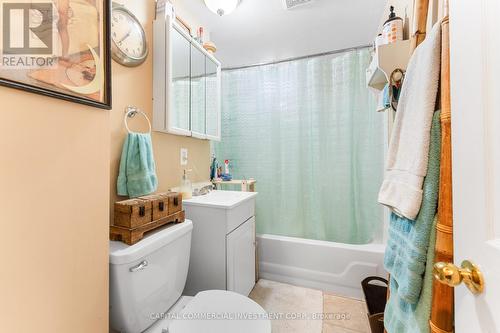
x=57, y=48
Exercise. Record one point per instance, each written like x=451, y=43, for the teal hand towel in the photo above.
x=386, y=102
x=137, y=175
x=403, y=317
x=408, y=241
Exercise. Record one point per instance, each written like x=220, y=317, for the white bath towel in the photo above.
x=408, y=153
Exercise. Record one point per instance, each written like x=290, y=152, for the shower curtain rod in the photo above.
x=299, y=58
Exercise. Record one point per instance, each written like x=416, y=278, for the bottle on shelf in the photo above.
x=393, y=28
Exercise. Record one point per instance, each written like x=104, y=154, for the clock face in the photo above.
x=129, y=40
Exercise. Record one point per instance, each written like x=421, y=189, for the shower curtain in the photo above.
x=307, y=131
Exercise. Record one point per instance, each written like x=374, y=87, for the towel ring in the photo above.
x=130, y=112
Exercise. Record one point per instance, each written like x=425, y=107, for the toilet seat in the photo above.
x=219, y=311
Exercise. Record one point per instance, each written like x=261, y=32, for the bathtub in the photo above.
x=328, y=266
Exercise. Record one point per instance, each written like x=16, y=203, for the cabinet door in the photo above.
x=179, y=106
x=241, y=258
x=198, y=93
x=213, y=99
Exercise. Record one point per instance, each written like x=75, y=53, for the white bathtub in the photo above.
x=334, y=267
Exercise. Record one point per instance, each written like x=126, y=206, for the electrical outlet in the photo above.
x=184, y=156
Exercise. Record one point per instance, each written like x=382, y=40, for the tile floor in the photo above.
x=281, y=300
x=349, y=315
x=346, y=315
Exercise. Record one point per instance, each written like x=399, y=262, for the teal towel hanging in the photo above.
x=137, y=175
x=408, y=241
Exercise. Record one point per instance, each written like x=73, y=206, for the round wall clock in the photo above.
x=128, y=46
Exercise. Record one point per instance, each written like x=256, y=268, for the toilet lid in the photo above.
x=218, y=311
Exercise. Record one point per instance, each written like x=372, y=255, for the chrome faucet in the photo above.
x=203, y=190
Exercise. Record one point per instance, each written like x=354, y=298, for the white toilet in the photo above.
x=146, y=283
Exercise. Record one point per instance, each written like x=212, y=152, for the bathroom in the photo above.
x=301, y=103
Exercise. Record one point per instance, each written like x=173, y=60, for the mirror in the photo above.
x=186, y=83
x=197, y=92
x=212, y=102
x=181, y=48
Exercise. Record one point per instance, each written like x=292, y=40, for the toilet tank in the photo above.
x=147, y=278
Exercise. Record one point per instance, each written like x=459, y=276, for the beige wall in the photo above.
x=54, y=185
x=133, y=86
x=55, y=198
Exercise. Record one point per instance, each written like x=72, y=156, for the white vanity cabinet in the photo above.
x=186, y=82
x=240, y=260
x=223, y=242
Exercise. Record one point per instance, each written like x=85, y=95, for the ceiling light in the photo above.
x=222, y=7
x=289, y=4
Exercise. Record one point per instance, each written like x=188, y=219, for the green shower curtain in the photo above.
x=308, y=132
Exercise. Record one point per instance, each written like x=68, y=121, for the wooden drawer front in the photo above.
x=159, y=204
x=174, y=202
x=133, y=213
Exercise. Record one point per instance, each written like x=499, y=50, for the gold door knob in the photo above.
x=451, y=275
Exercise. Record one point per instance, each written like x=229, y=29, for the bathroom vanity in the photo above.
x=223, y=242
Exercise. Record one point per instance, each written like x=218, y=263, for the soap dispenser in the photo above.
x=393, y=28
x=186, y=187
x=213, y=168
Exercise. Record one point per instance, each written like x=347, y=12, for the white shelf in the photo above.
x=385, y=60
x=246, y=185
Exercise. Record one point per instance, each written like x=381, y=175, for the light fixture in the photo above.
x=289, y=4
x=222, y=7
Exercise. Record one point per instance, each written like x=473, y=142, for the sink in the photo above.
x=220, y=199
